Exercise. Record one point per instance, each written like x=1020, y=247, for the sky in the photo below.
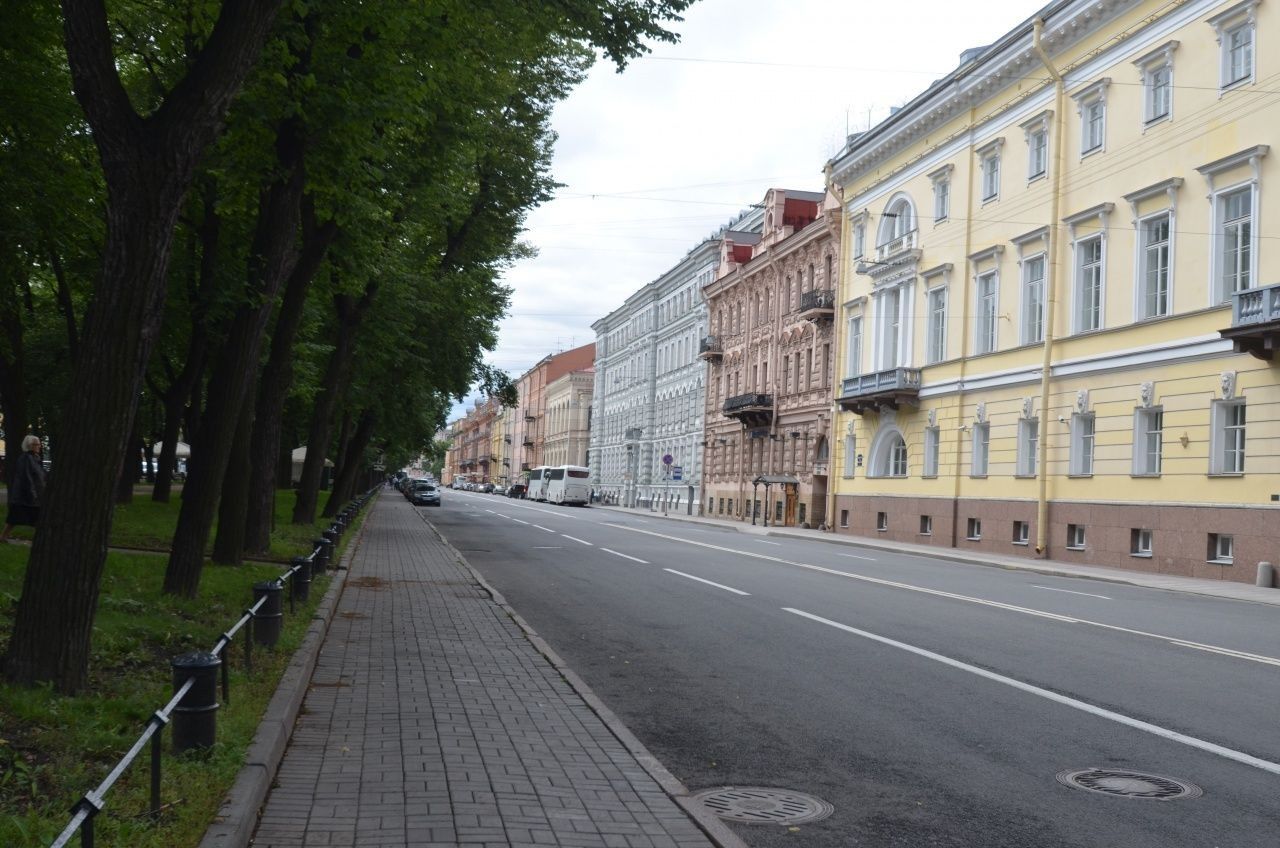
x=756, y=94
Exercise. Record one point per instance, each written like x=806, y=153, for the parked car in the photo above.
x=486, y=488
x=425, y=494
x=499, y=490
x=516, y=490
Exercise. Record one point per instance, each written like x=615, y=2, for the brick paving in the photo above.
x=432, y=721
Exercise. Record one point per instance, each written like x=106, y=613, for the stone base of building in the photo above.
x=728, y=503
x=1183, y=539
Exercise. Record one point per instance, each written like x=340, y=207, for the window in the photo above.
x=897, y=227
x=1037, y=153
x=1153, y=265
x=1088, y=294
x=1221, y=549
x=1082, y=437
x=849, y=455
x=1091, y=102
x=844, y=518
x=1021, y=532
x=853, y=354
x=981, y=450
x=1235, y=211
x=882, y=521
x=1140, y=542
x=777, y=512
x=932, y=441
x=974, y=530
x=1237, y=54
x=1148, y=441
x=1033, y=300
x=1028, y=444
x=986, y=324
x=897, y=456
x=1228, y=437
x=941, y=200
x=859, y=241
x=1157, y=85
x=889, y=308
x=926, y=525
x=937, y=345
x=1075, y=537
x=990, y=164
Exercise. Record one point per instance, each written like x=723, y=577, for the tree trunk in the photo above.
x=228, y=544
x=129, y=468
x=347, y=481
x=339, y=464
x=148, y=164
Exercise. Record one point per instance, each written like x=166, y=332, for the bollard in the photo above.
x=270, y=616
x=329, y=559
x=300, y=580
x=195, y=718
x=316, y=565
x=321, y=547
x=1266, y=575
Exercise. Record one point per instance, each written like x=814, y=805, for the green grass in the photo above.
x=54, y=748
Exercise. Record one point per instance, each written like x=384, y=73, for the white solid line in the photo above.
x=708, y=582
x=1258, y=658
x=518, y=521
x=1069, y=592
x=856, y=556
x=491, y=512
x=540, y=527
x=576, y=539
x=763, y=542
x=1083, y=706
x=548, y=547
x=625, y=556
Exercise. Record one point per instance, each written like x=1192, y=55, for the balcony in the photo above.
x=884, y=389
x=906, y=241
x=817, y=304
x=529, y=415
x=506, y=439
x=1255, y=321
x=753, y=410
x=528, y=441
x=709, y=349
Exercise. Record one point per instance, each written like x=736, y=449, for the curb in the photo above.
x=716, y=830
x=237, y=816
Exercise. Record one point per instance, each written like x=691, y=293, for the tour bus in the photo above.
x=567, y=484
x=537, y=490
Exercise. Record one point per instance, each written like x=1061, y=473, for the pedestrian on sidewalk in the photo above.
x=26, y=487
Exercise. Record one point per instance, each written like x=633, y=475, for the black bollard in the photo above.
x=195, y=718
x=270, y=616
x=300, y=580
x=330, y=560
x=332, y=536
x=322, y=549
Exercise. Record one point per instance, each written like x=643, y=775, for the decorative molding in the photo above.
x=980, y=413
x=1022, y=242
x=1252, y=156
x=943, y=270
x=1158, y=58
x=1227, y=382
x=1167, y=187
x=1082, y=401
x=1093, y=91
x=1147, y=394
x=995, y=145
x=1039, y=121
x=943, y=173
x=1102, y=212
x=994, y=252
x=1028, y=407
x=1248, y=10
x=933, y=417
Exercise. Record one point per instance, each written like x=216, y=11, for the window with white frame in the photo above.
x=890, y=314
x=1075, y=537
x=1091, y=102
x=932, y=443
x=1235, y=261
x=1153, y=264
x=1236, y=30
x=987, y=295
x=1156, y=68
x=850, y=455
x=981, y=452
x=1033, y=299
x=973, y=529
x=1140, y=539
x=1148, y=441
x=898, y=457
x=882, y=521
x=1221, y=549
x=897, y=227
x=941, y=199
x=1037, y=153
x=937, y=341
x=1028, y=446
x=859, y=240
x=1228, y=437
x=853, y=350
x=989, y=165
x=1021, y=532
x=1088, y=289
x=1082, y=438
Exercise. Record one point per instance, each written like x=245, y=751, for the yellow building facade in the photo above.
x=1059, y=296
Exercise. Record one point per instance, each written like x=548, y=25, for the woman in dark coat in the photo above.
x=27, y=487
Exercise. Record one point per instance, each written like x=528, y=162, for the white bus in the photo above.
x=567, y=484
x=537, y=490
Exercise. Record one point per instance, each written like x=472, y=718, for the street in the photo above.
x=931, y=703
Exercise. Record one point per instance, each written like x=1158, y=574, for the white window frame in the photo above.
x=989, y=169
x=941, y=180
x=1076, y=537
x=926, y=525
x=1084, y=434
x=1228, y=438
x=973, y=529
x=980, y=455
x=1230, y=280
x=1141, y=542
x=1151, y=66
x=936, y=309
x=899, y=226
x=1252, y=157
x=898, y=457
x=1168, y=188
x=986, y=338
x=932, y=448
x=854, y=334
x=1031, y=330
x=1240, y=18
x=1036, y=131
x=1148, y=298
x=1148, y=441
x=1028, y=447
x=1222, y=549
x=1023, y=537
x=1080, y=305
x=1091, y=101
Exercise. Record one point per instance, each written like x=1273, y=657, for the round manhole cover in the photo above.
x=758, y=805
x=1129, y=784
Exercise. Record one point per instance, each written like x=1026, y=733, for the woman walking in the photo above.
x=26, y=488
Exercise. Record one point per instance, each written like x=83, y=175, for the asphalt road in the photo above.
x=932, y=703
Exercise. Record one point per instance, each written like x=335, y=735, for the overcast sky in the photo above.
x=756, y=94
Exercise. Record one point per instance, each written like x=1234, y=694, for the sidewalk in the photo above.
x=1169, y=582
x=435, y=718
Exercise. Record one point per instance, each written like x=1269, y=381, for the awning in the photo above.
x=776, y=479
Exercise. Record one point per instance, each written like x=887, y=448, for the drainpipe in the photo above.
x=1051, y=299
x=965, y=301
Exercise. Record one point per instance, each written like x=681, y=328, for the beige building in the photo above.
x=770, y=348
x=568, y=418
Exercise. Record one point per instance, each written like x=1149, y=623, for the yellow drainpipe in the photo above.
x=966, y=300
x=1051, y=299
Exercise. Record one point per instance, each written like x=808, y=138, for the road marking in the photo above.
x=625, y=556
x=1069, y=592
x=763, y=542
x=548, y=547
x=1258, y=658
x=1083, y=706
x=856, y=556
x=708, y=582
x=491, y=512
x=540, y=527
x=576, y=539
x=518, y=521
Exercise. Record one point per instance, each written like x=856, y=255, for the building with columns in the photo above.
x=529, y=430
x=770, y=348
x=568, y=418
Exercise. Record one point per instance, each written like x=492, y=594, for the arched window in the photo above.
x=897, y=226
x=888, y=454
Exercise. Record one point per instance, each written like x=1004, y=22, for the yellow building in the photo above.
x=1057, y=261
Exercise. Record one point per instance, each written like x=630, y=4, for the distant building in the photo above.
x=529, y=435
x=568, y=418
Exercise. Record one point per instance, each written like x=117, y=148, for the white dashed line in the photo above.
x=518, y=521
x=625, y=556
x=856, y=556
x=576, y=539
x=708, y=582
x=540, y=527
x=1069, y=592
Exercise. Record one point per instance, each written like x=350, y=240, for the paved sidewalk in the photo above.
x=434, y=719
x=1169, y=582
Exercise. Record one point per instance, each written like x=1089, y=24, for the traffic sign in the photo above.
x=676, y=472
x=667, y=459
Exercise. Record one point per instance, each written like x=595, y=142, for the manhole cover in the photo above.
x=1129, y=784
x=757, y=805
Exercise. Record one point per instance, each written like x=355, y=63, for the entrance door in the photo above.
x=819, y=508
x=792, y=498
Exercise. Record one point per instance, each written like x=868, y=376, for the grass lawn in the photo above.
x=54, y=748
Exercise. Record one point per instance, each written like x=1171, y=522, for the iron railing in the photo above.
x=748, y=401
x=94, y=801
x=817, y=299
x=709, y=344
